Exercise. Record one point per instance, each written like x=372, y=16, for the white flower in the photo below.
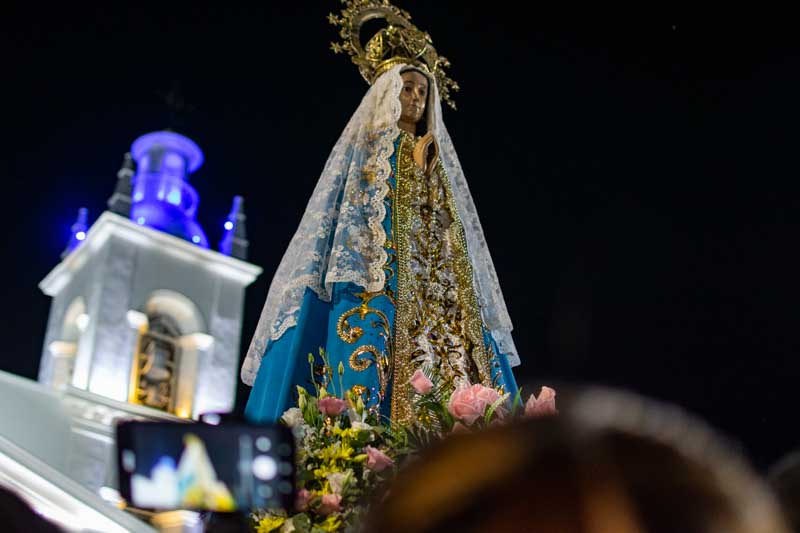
x=337, y=481
x=361, y=426
x=354, y=417
x=287, y=527
x=293, y=417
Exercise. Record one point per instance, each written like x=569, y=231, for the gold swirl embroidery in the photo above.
x=366, y=298
x=359, y=365
x=347, y=333
x=361, y=390
x=350, y=334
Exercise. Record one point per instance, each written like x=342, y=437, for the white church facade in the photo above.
x=145, y=323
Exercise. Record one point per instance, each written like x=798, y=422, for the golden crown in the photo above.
x=399, y=42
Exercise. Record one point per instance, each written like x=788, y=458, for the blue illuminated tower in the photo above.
x=163, y=199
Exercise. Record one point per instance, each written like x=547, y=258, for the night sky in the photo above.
x=636, y=181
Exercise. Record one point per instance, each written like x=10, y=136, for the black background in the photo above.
x=636, y=178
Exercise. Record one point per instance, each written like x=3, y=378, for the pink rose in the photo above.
x=470, y=403
x=304, y=497
x=544, y=405
x=421, y=383
x=377, y=461
x=486, y=394
x=331, y=406
x=330, y=504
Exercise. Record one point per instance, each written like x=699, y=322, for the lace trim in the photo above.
x=340, y=238
x=490, y=296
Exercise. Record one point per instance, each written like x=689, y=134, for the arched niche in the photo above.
x=64, y=349
x=171, y=344
x=75, y=321
x=178, y=308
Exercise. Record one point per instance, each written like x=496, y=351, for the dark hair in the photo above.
x=18, y=516
x=784, y=477
x=575, y=474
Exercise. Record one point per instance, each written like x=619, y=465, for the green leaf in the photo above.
x=517, y=402
x=492, y=409
x=444, y=420
x=311, y=368
x=341, y=383
x=301, y=523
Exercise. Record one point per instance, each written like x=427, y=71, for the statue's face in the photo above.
x=413, y=96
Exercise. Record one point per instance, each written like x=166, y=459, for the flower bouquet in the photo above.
x=441, y=410
x=347, y=454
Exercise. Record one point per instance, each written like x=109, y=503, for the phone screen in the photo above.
x=225, y=468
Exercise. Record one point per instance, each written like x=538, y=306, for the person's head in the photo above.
x=581, y=472
x=784, y=477
x=414, y=97
x=17, y=515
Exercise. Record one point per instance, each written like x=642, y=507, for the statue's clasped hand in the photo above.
x=426, y=153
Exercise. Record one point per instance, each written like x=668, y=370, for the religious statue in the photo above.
x=156, y=364
x=389, y=270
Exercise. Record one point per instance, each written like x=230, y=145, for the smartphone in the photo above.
x=228, y=467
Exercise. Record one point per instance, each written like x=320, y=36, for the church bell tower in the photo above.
x=144, y=310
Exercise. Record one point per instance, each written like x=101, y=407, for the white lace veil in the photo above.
x=341, y=237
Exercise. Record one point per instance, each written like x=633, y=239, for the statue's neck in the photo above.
x=408, y=136
x=408, y=127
